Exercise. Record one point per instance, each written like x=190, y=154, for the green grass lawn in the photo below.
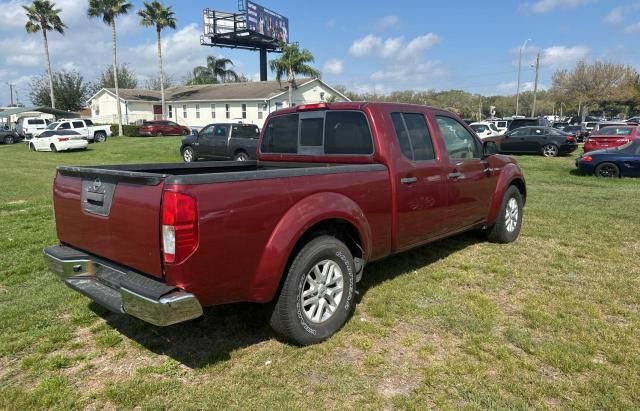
x=550, y=321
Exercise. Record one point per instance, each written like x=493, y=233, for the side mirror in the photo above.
x=489, y=148
x=195, y=132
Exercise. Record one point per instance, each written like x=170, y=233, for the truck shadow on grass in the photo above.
x=225, y=329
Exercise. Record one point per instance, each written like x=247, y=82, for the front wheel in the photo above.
x=550, y=150
x=100, y=137
x=509, y=222
x=188, y=155
x=318, y=294
x=607, y=170
x=9, y=139
x=241, y=156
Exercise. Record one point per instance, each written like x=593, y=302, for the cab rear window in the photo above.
x=318, y=133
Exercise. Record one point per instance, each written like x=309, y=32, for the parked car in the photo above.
x=528, y=122
x=588, y=127
x=85, y=128
x=58, y=140
x=9, y=137
x=610, y=137
x=621, y=161
x=604, y=124
x=559, y=124
x=221, y=141
x=484, y=129
x=336, y=187
x=547, y=141
x=28, y=127
x=633, y=121
x=163, y=128
x=501, y=124
x=575, y=130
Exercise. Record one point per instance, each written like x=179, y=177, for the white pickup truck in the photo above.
x=86, y=128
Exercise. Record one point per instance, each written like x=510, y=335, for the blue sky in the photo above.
x=365, y=46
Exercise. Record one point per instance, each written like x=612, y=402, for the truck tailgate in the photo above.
x=112, y=214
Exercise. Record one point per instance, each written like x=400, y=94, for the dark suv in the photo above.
x=163, y=128
x=528, y=122
x=221, y=141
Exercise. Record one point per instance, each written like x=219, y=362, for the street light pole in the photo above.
x=519, y=69
x=535, y=87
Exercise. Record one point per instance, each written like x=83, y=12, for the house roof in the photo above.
x=42, y=109
x=253, y=90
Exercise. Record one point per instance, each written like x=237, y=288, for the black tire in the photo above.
x=100, y=137
x=290, y=319
x=32, y=147
x=241, y=156
x=53, y=148
x=607, y=170
x=502, y=231
x=189, y=155
x=550, y=150
x=9, y=139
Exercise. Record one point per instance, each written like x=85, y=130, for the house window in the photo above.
x=170, y=107
x=97, y=109
x=184, y=111
x=227, y=109
x=244, y=111
x=260, y=108
x=213, y=111
x=197, y=110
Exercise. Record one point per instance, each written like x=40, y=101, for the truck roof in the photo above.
x=354, y=105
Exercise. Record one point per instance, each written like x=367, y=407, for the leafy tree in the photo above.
x=109, y=10
x=214, y=72
x=154, y=83
x=293, y=61
x=42, y=15
x=157, y=15
x=126, y=78
x=70, y=89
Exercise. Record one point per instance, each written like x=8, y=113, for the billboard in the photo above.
x=266, y=22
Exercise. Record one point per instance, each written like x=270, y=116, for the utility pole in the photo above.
x=480, y=110
x=11, y=92
x=535, y=86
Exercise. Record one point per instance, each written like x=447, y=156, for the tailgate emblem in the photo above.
x=97, y=184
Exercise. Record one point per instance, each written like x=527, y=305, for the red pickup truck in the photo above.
x=336, y=186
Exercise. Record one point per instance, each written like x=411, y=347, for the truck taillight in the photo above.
x=179, y=226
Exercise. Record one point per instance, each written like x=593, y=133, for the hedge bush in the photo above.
x=128, y=130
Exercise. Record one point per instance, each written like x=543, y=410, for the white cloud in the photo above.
x=560, y=56
x=415, y=74
x=387, y=22
x=334, y=66
x=615, y=16
x=511, y=87
x=632, y=28
x=545, y=6
x=393, y=47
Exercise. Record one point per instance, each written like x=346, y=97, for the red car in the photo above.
x=611, y=136
x=163, y=128
x=337, y=186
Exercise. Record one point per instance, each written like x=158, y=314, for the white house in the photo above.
x=197, y=106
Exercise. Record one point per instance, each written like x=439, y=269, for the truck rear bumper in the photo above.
x=122, y=290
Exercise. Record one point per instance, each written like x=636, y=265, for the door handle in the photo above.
x=409, y=180
x=455, y=175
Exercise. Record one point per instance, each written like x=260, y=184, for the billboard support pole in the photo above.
x=263, y=64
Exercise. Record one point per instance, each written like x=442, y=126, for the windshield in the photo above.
x=615, y=131
x=478, y=128
x=53, y=126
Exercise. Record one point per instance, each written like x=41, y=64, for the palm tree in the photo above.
x=293, y=61
x=159, y=16
x=214, y=72
x=108, y=10
x=43, y=16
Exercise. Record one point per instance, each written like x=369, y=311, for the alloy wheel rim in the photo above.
x=322, y=291
x=511, y=215
x=550, y=151
x=608, y=171
x=187, y=155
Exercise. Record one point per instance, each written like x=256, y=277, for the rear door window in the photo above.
x=36, y=121
x=413, y=136
x=78, y=124
x=64, y=126
x=318, y=133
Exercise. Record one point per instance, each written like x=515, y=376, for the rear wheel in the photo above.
x=550, y=150
x=9, y=139
x=608, y=170
x=188, y=155
x=100, y=137
x=507, y=226
x=53, y=148
x=318, y=293
x=241, y=156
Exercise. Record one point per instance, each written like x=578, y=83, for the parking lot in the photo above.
x=551, y=320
